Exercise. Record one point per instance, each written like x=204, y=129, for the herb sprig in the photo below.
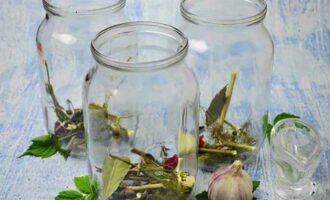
x=268, y=126
x=152, y=177
x=69, y=128
x=45, y=146
x=86, y=190
x=229, y=140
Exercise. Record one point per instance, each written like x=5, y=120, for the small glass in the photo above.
x=141, y=113
x=296, y=152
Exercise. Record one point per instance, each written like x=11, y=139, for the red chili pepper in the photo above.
x=171, y=162
x=201, y=142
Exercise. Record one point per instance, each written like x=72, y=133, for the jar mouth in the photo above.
x=82, y=7
x=139, y=46
x=224, y=12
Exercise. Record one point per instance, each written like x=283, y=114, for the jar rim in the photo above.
x=307, y=126
x=60, y=11
x=199, y=19
x=156, y=64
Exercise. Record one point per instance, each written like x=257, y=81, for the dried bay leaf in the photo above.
x=113, y=173
x=216, y=105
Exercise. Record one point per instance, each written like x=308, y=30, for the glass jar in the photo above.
x=63, y=41
x=141, y=108
x=231, y=53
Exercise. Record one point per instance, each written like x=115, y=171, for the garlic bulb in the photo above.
x=230, y=183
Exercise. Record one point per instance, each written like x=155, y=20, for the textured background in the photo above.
x=301, y=85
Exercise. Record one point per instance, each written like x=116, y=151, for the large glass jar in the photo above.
x=63, y=41
x=141, y=113
x=231, y=53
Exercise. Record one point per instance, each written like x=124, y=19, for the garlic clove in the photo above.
x=187, y=143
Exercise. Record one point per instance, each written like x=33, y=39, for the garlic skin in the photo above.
x=230, y=183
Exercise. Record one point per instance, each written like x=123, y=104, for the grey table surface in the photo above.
x=301, y=85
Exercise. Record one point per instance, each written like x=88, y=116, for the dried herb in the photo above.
x=112, y=121
x=228, y=139
x=87, y=191
x=69, y=128
x=114, y=171
x=149, y=179
x=216, y=106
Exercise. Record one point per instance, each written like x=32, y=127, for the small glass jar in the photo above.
x=141, y=113
x=296, y=150
x=63, y=41
x=231, y=53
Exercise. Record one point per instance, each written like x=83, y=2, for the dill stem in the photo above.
x=146, y=187
x=218, y=151
x=229, y=93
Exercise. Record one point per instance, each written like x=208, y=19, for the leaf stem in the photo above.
x=232, y=126
x=118, y=158
x=138, y=178
x=229, y=93
x=232, y=144
x=221, y=151
x=70, y=143
x=67, y=136
x=146, y=187
x=138, y=152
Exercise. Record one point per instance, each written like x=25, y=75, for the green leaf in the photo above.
x=83, y=184
x=95, y=187
x=284, y=116
x=43, y=146
x=301, y=126
x=64, y=153
x=265, y=122
x=113, y=172
x=216, y=105
x=69, y=195
x=255, y=185
x=269, y=131
x=202, y=196
x=90, y=197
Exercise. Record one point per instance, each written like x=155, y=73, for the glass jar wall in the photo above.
x=231, y=53
x=141, y=113
x=63, y=41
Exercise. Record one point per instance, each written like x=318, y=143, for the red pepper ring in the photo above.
x=171, y=162
x=201, y=142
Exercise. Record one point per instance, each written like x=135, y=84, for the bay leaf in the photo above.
x=113, y=173
x=216, y=105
